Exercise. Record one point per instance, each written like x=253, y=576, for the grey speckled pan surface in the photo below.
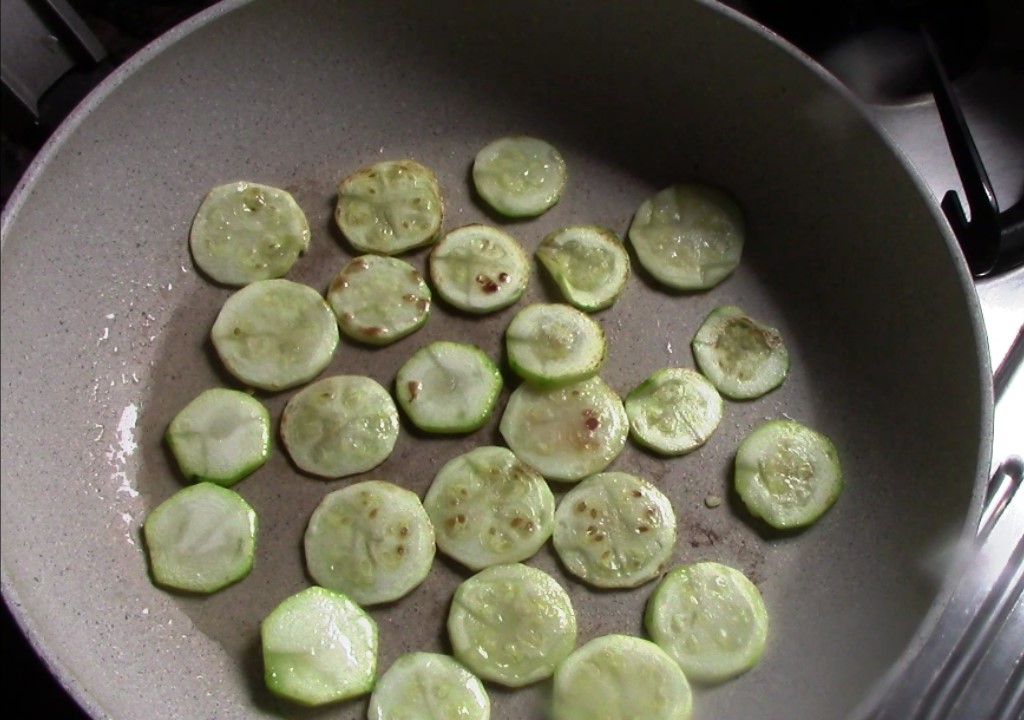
x=105, y=325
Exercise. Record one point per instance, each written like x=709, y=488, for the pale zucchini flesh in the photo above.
x=479, y=269
x=742, y=357
x=589, y=264
x=674, y=411
x=710, y=618
x=615, y=530
x=511, y=624
x=339, y=426
x=554, y=343
x=379, y=300
x=621, y=677
x=390, y=207
x=319, y=647
x=221, y=436
x=201, y=539
x=489, y=508
x=428, y=686
x=787, y=474
x=688, y=236
x=566, y=432
x=519, y=176
x=244, y=232
x=275, y=334
x=372, y=541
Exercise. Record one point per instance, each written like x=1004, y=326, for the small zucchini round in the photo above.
x=554, y=344
x=674, y=411
x=741, y=357
x=379, y=300
x=479, y=269
x=589, y=264
x=428, y=686
x=519, y=176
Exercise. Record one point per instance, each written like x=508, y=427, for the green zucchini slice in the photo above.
x=488, y=508
x=428, y=686
x=479, y=269
x=448, y=387
x=519, y=176
x=379, y=300
x=390, y=207
x=710, y=618
x=741, y=357
x=787, y=473
x=511, y=624
x=615, y=530
x=372, y=541
x=221, y=436
x=275, y=334
x=319, y=647
x=339, y=426
x=244, y=232
x=552, y=343
x=689, y=237
x=674, y=411
x=589, y=264
x=620, y=677
x=566, y=432
x=201, y=539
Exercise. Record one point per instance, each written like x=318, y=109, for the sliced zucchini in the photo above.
x=201, y=539
x=245, y=232
x=674, y=411
x=615, y=530
x=519, y=176
x=620, y=677
x=448, y=387
x=221, y=436
x=689, y=237
x=589, y=264
x=511, y=624
x=319, y=647
x=479, y=269
x=339, y=426
x=428, y=686
x=372, y=541
x=390, y=207
x=379, y=300
x=275, y=334
x=488, y=508
x=710, y=619
x=787, y=473
x=566, y=432
x=551, y=343
x=741, y=357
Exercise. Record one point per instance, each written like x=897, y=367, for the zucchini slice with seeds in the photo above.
x=741, y=357
x=479, y=269
x=390, y=207
x=275, y=334
x=710, y=618
x=615, y=530
x=448, y=387
x=319, y=647
x=339, y=426
x=511, y=624
x=787, y=473
x=620, y=677
x=519, y=176
x=552, y=343
x=674, y=411
x=201, y=539
x=244, y=232
x=488, y=508
x=372, y=541
x=428, y=686
x=589, y=264
x=689, y=237
x=566, y=432
x=379, y=300
x=221, y=436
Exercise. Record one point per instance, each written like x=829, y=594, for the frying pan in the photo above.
x=105, y=326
